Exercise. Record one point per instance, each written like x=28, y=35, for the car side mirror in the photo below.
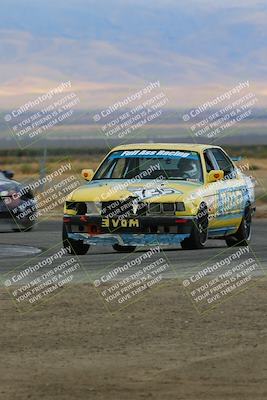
x=87, y=174
x=8, y=174
x=215, y=175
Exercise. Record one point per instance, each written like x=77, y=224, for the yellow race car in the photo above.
x=160, y=194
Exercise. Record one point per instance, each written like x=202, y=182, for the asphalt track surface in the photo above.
x=17, y=248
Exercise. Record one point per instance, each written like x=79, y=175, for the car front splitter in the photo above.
x=129, y=239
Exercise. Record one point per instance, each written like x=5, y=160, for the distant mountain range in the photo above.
x=108, y=48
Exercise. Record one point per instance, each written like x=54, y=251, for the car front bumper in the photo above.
x=159, y=230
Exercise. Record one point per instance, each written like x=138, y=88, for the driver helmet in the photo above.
x=188, y=168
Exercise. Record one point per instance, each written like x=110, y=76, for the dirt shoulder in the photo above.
x=157, y=348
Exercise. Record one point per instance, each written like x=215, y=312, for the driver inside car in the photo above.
x=188, y=169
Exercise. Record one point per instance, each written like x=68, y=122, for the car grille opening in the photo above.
x=81, y=208
x=169, y=208
x=154, y=208
x=162, y=208
x=125, y=208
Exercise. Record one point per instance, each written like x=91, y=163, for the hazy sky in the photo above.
x=197, y=49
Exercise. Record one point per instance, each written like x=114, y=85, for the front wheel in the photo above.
x=73, y=246
x=199, y=234
x=124, y=249
x=243, y=235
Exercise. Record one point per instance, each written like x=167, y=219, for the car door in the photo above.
x=211, y=191
x=230, y=192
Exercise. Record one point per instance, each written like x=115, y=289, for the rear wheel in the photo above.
x=199, y=234
x=124, y=249
x=243, y=235
x=73, y=246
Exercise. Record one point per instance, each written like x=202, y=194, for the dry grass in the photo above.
x=29, y=167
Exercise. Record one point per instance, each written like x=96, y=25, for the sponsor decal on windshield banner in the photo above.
x=152, y=154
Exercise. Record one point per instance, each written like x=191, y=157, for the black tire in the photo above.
x=76, y=246
x=124, y=249
x=199, y=234
x=243, y=235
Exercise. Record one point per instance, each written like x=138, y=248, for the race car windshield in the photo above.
x=151, y=164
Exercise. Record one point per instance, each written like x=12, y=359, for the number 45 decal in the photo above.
x=147, y=193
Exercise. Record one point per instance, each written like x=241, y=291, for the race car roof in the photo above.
x=165, y=146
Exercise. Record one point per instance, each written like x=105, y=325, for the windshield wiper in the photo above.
x=177, y=179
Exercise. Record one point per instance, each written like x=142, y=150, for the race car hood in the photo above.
x=146, y=190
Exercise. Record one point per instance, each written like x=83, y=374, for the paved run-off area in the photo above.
x=158, y=347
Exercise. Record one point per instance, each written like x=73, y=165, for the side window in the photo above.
x=208, y=161
x=224, y=163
